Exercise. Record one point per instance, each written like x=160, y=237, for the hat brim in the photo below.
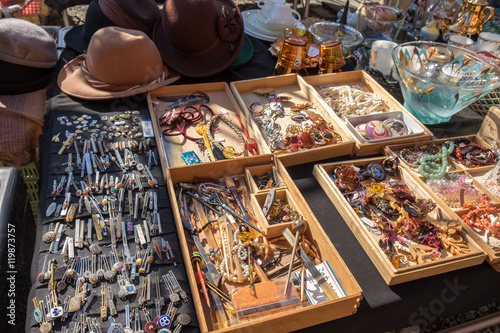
x=72, y=81
x=30, y=105
x=201, y=66
x=74, y=39
x=246, y=53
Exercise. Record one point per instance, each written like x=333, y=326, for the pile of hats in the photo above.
x=28, y=55
x=131, y=46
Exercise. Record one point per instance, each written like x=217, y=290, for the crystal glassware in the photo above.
x=438, y=80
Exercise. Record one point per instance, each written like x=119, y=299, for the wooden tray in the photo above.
x=393, y=150
x=493, y=253
x=294, y=86
x=260, y=171
x=367, y=83
x=221, y=102
x=369, y=241
x=273, y=230
x=279, y=321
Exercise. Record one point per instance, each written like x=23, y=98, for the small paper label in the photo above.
x=312, y=289
x=147, y=129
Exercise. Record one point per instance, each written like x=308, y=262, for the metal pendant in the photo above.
x=49, y=236
x=38, y=315
x=51, y=209
x=164, y=321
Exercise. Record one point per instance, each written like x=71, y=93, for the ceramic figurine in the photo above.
x=430, y=31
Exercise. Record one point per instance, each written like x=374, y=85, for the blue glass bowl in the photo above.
x=438, y=80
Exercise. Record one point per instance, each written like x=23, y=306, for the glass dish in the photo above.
x=380, y=22
x=438, y=80
x=324, y=31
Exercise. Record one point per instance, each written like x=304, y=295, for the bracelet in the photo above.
x=189, y=115
x=228, y=151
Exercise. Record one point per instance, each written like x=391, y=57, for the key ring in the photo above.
x=188, y=115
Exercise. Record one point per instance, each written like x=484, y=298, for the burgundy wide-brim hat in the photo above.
x=199, y=38
x=139, y=15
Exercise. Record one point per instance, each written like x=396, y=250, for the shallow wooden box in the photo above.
x=294, y=86
x=273, y=230
x=367, y=83
x=281, y=321
x=369, y=242
x=493, y=252
x=262, y=170
x=221, y=98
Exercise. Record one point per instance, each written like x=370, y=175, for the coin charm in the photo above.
x=49, y=236
x=46, y=327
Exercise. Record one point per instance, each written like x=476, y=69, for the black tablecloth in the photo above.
x=383, y=308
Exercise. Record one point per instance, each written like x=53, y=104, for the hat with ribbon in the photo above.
x=199, y=38
x=119, y=63
x=28, y=54
x=130, y=14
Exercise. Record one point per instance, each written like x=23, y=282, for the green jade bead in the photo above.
x=430, y=169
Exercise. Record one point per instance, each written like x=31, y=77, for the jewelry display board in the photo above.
x=120, y=147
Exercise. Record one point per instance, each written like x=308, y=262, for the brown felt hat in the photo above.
x=119, y=63
x=199, y=38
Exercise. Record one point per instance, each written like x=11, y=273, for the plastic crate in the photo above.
x=482, y=105
x=30, y=175
x=36, y=12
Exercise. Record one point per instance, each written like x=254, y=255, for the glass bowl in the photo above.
x=324, y=31
x=438, y=80
x=379, y=21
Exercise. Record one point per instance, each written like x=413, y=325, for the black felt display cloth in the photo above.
x=383, y=308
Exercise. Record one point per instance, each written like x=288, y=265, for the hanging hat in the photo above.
x=199, y=38
x=130, y=14
x=28, y=55
x=119, y=62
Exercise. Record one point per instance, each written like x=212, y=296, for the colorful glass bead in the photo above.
x=396, y=127
x=361, y=128
x=229, y=152
x=376, y=130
